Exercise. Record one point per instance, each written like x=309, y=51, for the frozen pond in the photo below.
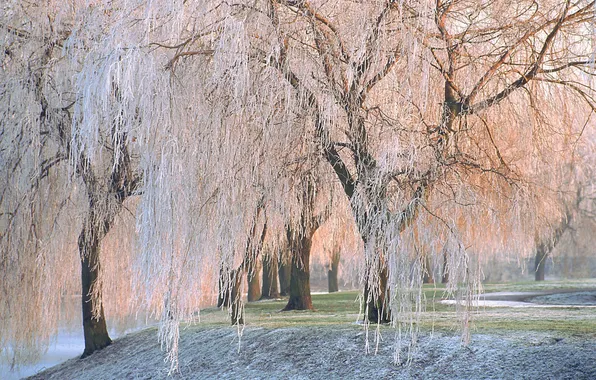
x=66, y=345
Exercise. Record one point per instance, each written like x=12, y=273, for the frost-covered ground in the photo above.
x=332, y=352
x=293, y=350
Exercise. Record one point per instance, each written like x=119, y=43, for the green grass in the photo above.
x=342, y=309
x=530, y=286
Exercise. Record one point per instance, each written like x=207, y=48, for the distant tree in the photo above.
x=285, y=273
x=270, y=288
x=332, y=272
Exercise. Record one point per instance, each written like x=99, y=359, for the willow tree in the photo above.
x=410, y=99
x=419, y=108
x=571, y=201
x=53, y=179
x=300, y=239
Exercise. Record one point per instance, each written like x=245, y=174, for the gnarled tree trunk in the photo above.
x=445, y=274
x=376, y=298
x=427, y=277
x=105, y=202
x=224, y=293
x=540, y=264
x=237, y=317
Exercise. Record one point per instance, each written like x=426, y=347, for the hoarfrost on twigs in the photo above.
x=435, y=130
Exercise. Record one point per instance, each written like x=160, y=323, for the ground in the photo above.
x=507, y=343
x=326, y=352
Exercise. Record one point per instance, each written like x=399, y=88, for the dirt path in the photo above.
x=558, y=298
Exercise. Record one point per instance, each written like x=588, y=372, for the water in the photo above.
x=68, y=344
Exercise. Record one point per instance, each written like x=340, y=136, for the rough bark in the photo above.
x=285, y=274
x=544, y=245
x=123, y=183
x=445, y=276
x=270, y=288
x=94, y=326
x=332, y=280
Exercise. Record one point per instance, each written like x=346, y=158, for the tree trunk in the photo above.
x=94, y=327
x=540, y=263
x=445, y=277
x=270, y=289
x=237, y=317
x=332, y=280
x=285, y=274
x=254, y=281
x=427, y=277
x=224, y=295
x=300, y=298
x=376, y=305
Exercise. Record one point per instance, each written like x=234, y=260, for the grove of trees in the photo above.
x=166, y=149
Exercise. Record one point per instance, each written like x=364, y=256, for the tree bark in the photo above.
x=254, y=281
x=540, y=264
x=94, y=327
x=545, y=245
x=300, y=298
x=270, y=289
x=285, y=274
x=376, y=305
x=332, y=280
x=237, y=316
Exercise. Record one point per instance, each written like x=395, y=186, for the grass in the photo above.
x=530, y=286
x=342, y=308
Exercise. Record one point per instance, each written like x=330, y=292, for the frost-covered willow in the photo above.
x=223, y=122
x=433, y=110
x=66, y=175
